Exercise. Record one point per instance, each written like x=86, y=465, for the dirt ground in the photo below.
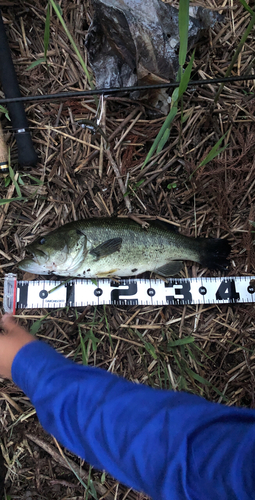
x=77, y=178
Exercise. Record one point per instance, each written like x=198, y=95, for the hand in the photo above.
x=11, y=342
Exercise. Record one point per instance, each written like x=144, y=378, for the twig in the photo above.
x=68, y=464
x=9, y=196
x=119, y=179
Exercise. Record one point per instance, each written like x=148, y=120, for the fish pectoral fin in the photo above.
x=107, y=248
x=170, y=269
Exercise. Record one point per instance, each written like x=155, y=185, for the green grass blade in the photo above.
x=166, y=124
x=17, y=189
x=82, y=343
x=174, y=97
x=36, y=63
x=186, y=340
x=164, y=132
x=94, y=340
x=148, y=346
x=83, y=348
x=212, y=154
x=11, y=173
x=20, y=181
x=183, y=30
x=236, y=54
x=37, y=324
x=90, y=488
x=37, y=181
x=47, y=31
x=46, y=42
x=203, y=381
x=9, y=200
x=246, y=6
x=5, y=111
x=108, y=327
x=185, y=78
x=163, y=140
x=94, y=495
x=77, y=52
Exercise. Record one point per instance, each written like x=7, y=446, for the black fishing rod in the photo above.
x=26, y=152
x=115, y=90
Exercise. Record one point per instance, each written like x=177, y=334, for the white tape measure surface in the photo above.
x=82, y=292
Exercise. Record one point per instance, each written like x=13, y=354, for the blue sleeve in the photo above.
x=170, y=445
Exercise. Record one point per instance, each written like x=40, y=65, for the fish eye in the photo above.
x=41, y=241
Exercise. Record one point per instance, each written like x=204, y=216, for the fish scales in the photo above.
x=106, y=247
x=139, y=246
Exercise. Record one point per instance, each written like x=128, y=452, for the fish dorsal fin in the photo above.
x=166, y=226
x=170, y=269
x=107, y=248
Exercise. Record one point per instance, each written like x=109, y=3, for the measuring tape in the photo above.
x=82, y=292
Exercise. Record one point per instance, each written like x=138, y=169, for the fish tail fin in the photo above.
x=214, y=253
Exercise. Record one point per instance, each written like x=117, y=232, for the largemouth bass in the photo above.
x=107, y=247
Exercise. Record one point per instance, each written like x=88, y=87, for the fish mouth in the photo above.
x=35, y=255
x=36, y=262
x=32, y=265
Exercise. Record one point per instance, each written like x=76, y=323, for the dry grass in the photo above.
x=79, y=180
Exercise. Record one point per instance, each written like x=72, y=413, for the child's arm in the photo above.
x=167, y=444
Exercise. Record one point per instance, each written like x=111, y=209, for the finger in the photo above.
x=7, y=322
x=6, y=317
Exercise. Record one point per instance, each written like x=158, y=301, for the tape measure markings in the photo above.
x=81, y=292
